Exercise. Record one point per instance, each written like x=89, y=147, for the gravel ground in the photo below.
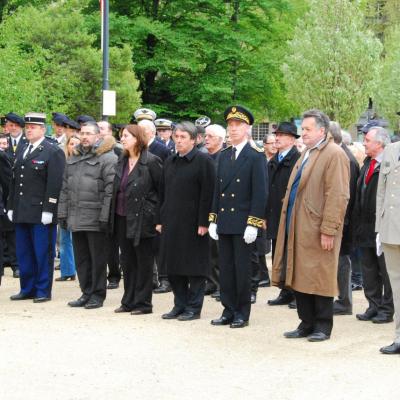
x=51, y=351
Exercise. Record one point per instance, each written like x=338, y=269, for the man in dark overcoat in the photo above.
x=279, y=169
x=185, y=198
x=238, y=212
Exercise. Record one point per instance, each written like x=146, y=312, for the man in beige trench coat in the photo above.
x=388, y=227
x=310, y=229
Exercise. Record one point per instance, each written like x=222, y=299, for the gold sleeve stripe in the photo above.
x=212, y=217
x=254, y=221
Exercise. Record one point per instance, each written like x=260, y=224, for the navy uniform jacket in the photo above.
x=20, y=147
x=159, y=149
x=240, y=194
x=36, y=183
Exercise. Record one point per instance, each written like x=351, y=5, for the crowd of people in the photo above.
x=194, y=208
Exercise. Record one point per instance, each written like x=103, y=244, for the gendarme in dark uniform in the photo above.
x=33, y=201
x=238, y=213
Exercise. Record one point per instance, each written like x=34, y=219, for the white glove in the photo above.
x=212, y=231
x=250, y=234
x=10, y=214
x=379, y=249
x=47, y=218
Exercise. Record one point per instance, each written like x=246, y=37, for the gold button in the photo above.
x=237, y=180
x=222, y=209
x=232, y=209
x=233, y=194
x=223, y=194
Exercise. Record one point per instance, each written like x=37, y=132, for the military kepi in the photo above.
x=239, y=113
x=35, y=118
x=17, y=119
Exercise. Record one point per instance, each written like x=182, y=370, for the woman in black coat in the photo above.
x=134, y=208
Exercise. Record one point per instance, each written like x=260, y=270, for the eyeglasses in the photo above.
x=269, y=142
x=87, y=133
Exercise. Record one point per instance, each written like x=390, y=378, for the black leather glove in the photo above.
x=63, y=223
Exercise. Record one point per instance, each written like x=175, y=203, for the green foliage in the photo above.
x=54, y=44
x=334, y=62
x=388, y=99
x=196, y=57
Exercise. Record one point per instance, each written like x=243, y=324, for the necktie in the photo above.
x=370, y=171
x=14, y=144
x=233, y=156
x=280, y=157
x=29, y=150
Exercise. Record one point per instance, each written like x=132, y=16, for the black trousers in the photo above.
x=10, y=257
x=188, y=292
x=137, y=267
x=90, y=251
x=377, y=287
x=315, y=312
x=213, y=279
x=113, y=261
x=235, y=276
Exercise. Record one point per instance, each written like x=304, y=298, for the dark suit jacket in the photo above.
x=241, y=191
x=159, y=149
x=36, y=183
x=21, y=145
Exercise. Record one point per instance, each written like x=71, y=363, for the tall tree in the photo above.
x=388, y=99
x=53, y=42
x=334, y=60
x=196, y=57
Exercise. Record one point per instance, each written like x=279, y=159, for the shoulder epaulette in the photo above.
x=257, y=148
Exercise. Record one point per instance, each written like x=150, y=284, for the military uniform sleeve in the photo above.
x=55, y=171
x=207, y=191
x=380, y=195
x=259, y=192
x=108, y=173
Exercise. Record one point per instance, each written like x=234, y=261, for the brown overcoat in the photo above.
x=320, y=207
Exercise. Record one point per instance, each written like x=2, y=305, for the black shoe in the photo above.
x=394, y=348
x=79, y=302
x=381, y=319
x=65, y=278
x=264, y=283
x=21, y=296
x=141, y=312
x=113, y=285
x=92, y=303
x=356, y=286
x=221, y=321
x=340, y=310
x=283, y=299
x=122, y=309
x=41, y=299
x=367, y=316
x=188, y=316
x=253, y=298
x=164, y=287
x=239, y=323
x=296, y=334
x=216, y=294
x=173, y=314
x=292, y=305
x=16, y=273
x=317, y=337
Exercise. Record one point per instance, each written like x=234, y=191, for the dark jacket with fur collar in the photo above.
x=87, y=186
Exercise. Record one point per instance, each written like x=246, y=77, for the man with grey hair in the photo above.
x=269, y=145
x=388, y=227
x=377, y=288
x=155, y=146
x=186, y=192
x=344, y=304
x=214, y=140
